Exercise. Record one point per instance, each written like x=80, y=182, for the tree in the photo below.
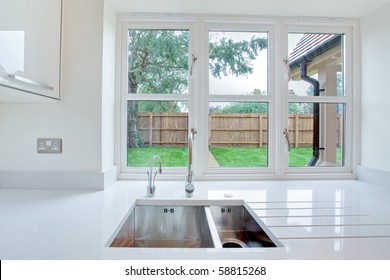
x=158, y=63
x=228, y=56
x=246, y=107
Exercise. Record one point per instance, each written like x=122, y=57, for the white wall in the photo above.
x=77, y=118
x=375, y=115
x=108, y=83
x=329, y=8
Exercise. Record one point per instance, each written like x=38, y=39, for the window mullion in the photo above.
x=156, y=97
x=318, y=99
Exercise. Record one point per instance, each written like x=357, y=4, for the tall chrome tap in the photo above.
x=189, y=187
x=151, y=188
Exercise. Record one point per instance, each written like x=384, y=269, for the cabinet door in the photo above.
x=30, y=49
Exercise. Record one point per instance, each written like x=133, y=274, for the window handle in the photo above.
x=193, y=60
x=285, y=132
x=287, y=64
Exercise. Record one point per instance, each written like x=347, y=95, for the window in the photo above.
x=238, y=134
x=238, y=70
x=157, y=96
x=263, y=106
x=316, y=65
x=316, y=144
x=319, y=100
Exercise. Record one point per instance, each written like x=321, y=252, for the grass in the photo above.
x=226, y=157
x=299, y=156
x=170, y=156
x=240, y=156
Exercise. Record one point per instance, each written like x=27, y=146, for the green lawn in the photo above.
x=170, y=156
x=240, y=156
x=226, y=157
x=299, y=156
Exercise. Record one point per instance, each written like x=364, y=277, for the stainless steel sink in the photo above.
x=165, y=227
x=192, y=224
x=238, y=228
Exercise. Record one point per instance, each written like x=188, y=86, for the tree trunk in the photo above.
x=134, y=138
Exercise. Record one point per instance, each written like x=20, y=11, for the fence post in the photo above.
x=296, y=130
x=260, y=130
x=150, y=129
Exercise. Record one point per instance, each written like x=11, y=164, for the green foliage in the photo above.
x=158, y=106
x=158, y=61
x=295, y=108
x=245, y=107
x=227, y=56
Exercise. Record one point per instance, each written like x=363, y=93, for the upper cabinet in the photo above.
x=30, y=50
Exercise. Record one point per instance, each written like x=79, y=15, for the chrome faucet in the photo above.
x=189, y=187
x=151, y=189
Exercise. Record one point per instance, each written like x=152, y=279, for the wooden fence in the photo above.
x=170, y=129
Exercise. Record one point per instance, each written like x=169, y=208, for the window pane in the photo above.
x=238, y=134
x=316, y=141
x=158, y=61
x=238, y=63
x=313, y=58
x=157, y=127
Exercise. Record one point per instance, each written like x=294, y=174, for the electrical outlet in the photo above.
x=49, y=145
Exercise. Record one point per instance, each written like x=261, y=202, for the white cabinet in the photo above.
x=30, y=50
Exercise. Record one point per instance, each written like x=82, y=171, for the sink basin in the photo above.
x=237, y=228
x=165, y=227
x=192, y=224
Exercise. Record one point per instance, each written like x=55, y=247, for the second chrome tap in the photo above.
x=189, y=187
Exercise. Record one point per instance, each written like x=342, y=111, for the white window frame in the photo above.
x=145, y=22
x=198, y=98
x=350, y=98
x=239, y=173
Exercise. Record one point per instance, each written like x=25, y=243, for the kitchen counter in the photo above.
x=312, y=219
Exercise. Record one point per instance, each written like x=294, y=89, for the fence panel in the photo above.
x=165, y=129
x=238, y=129
x=170, y=129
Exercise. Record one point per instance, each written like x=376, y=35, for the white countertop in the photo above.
x=312, y=219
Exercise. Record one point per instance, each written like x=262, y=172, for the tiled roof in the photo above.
x=312, y=45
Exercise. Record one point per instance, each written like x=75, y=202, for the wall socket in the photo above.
x=49, y=145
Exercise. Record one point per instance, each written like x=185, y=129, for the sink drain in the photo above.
x=233, y=243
